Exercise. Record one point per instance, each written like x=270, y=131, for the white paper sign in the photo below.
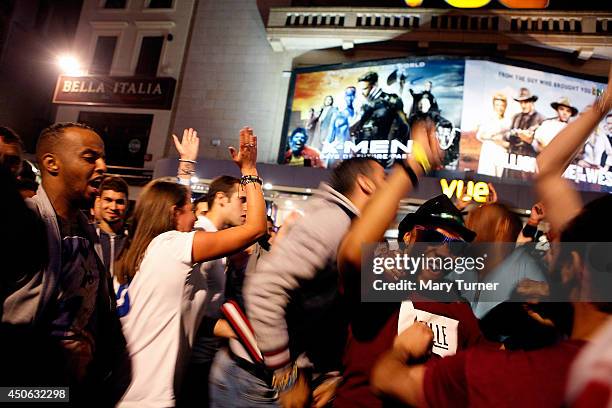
x=445, y=329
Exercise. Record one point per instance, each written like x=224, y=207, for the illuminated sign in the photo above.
x=100, y=90
x=476, y=191
x=470, y=4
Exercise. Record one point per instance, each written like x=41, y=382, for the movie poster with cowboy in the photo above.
x=510, y=114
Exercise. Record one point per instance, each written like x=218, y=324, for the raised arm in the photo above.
x=382, y=207
x=213, y=245
x=560, y=199
x=187, y=149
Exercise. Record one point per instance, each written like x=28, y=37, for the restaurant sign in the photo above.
x=128, y=92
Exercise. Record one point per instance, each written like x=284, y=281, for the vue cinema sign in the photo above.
x=128, y=92
x=468, y=4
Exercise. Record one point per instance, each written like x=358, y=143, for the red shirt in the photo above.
x=595, y=394
x=483, y=377
x=373, y=333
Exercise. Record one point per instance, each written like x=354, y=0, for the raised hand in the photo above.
x=463, y=202
x=188, y=147
x=246, y=157
x=423, y=133
x=492, y=197
x=537, y=214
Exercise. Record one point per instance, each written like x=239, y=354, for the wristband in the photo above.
x=244, y=180
x=183, y=172
x=187, y=161
x=421, y=157
x=411, y=174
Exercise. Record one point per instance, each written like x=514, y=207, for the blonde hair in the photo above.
x=498, y=96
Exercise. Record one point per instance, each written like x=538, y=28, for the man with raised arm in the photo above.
x=292, y=298
x=373, y=326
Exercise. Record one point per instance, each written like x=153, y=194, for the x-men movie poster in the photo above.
x=491, y=118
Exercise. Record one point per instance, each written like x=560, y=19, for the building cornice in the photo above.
x=585, y=33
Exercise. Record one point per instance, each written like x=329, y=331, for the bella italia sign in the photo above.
x=129, y=92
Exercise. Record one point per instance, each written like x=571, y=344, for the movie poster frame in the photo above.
x=394, y=60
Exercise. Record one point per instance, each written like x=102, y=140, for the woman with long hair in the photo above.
x=501, y=318
x=155, y=265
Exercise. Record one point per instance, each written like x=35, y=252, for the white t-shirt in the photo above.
x=205, y=286
x=155, y=340
x=214, y=273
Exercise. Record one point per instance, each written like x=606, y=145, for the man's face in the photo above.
x=445, y=136
x=235, y=208
x=424, y=105
x=349, y=96
x=297, y=142
x=427, y=86
x=365, y=88
x=200, y=209
x=499, y=107
x=526, y=106
x=113, y=206
x=328, y=101
x=421, y=233
x=81, y=164
x=564, y=113
x=10, y=156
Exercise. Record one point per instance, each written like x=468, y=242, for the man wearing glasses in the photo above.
x=435, y=230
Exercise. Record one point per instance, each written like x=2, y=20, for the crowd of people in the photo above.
x=208, y=303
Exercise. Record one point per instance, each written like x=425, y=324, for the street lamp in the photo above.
x=69, y=65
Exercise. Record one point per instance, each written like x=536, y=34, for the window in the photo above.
x=103, y=56
x=126, y=136
x=150, y=52
x=160, y=4
x=114, y=4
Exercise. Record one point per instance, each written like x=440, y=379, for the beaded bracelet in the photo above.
x=244, y=180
